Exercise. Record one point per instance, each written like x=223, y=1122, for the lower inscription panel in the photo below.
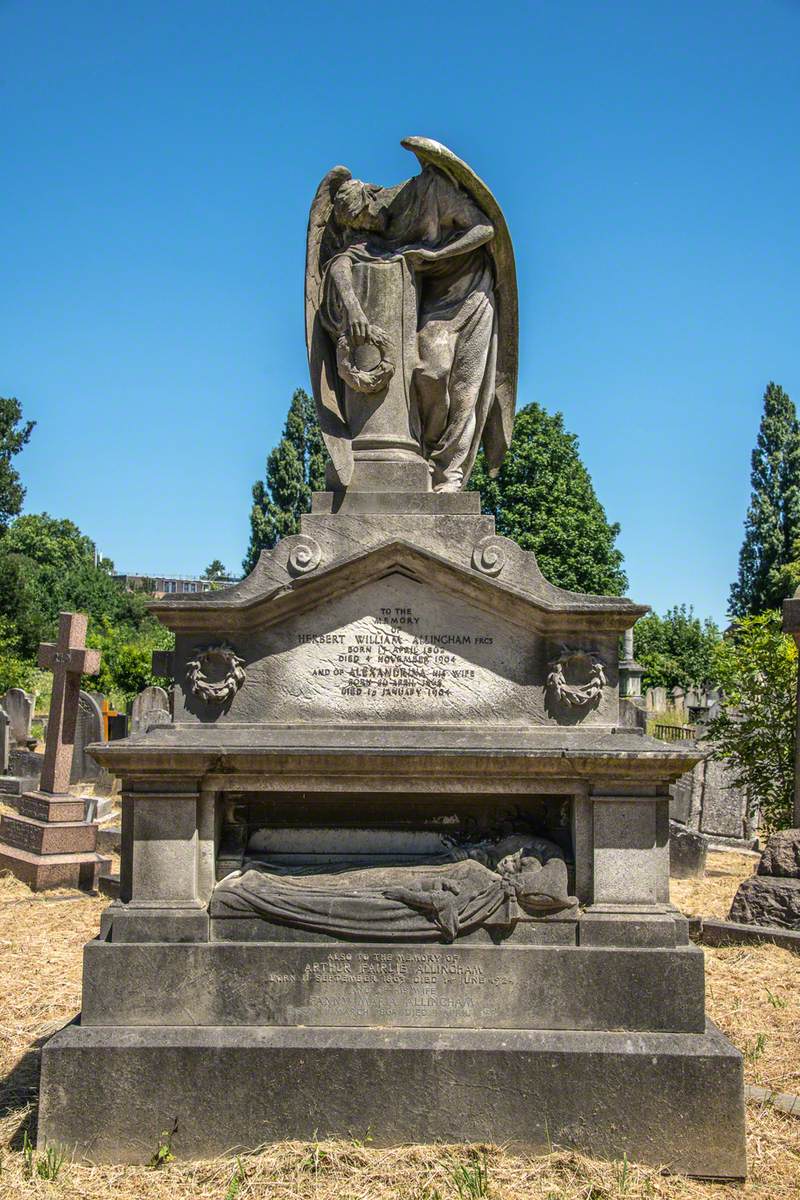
x=467, y=987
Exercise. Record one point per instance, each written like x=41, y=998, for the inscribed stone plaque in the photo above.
x=396, y=650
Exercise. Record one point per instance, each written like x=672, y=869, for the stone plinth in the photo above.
x=49, y=844
x=668, y=1099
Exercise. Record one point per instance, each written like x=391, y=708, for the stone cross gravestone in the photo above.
x=396, y=854
x=20, y=705
x=150, y=706
x=49, y=843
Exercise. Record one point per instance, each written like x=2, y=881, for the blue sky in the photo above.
x=158, y=160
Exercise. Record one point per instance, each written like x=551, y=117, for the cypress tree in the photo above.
x=543, y=498
x=295, y=469
x=772, y=525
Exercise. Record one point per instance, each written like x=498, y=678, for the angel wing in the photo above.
x=500, y=419
x=325, y=381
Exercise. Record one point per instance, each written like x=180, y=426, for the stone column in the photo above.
x=630, y=874
x=630, y=672
x=167, y=869
x=791, y=624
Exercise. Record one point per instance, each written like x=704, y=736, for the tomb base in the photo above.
x=667, y=1099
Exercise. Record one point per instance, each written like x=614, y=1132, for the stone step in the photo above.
x=48, y=837
x=54, y=870
x=15, y=785
x=44, y=806
x=108, y=885
x=109, y=838
x=656, y=1098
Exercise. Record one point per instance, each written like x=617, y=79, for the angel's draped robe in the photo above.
x=453, y=382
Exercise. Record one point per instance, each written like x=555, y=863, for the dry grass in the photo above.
x=753, y=994
x=711, y=896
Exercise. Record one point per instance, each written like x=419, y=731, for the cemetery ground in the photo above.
x=753, y=993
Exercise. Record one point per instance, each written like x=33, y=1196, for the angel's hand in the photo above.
x=358, y=329
x=416, y=255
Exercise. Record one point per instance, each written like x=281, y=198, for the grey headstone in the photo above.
x=149, y=707
x=724, y=811
x=687, y=853
x=680, y=798
x=19, y=706
x=5, y=741
x=89, y=729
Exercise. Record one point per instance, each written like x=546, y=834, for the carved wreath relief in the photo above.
x=576, y=695
x=213, y=661
x=360, y=378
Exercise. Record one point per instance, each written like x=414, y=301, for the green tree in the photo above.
x=677, y=649
x=756, y=665
x=47, y=566
x=14, y=434
x=50, y=541
x=126, y=663
x=15, y=671
x=295, y=469
x=543, y=498
x=215, y=571
x=772, y=525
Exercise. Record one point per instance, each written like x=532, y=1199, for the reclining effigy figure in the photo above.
x=459, y=890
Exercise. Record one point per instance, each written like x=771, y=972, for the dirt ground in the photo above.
x=753, y=993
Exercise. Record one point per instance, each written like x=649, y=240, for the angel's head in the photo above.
x=356, y=206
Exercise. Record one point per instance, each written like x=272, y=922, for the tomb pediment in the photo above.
x=493, y=573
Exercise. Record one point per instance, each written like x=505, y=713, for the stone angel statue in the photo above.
x=411, y=321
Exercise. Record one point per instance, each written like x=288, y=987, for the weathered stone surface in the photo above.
x=659, y=1098
x=5, y=741
x=781, y=854
x=149, y=707
x=768, y=900
x=724, y=804
x=618, y=929
x=68, y=659
x=43, y=806
x=54, y=870
x=89, y=728
x=19, y=706
x=687, y=852
x=15, y=785
x=47, y=837
x=526, y=987
x=627, y=862
x=370, y=321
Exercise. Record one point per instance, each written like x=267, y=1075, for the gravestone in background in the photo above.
x=48, y=842
x=5, y=741
x=149, y=707
x=20, y=706
x=89, y=729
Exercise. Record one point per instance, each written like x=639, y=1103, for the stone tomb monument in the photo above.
x=394, y=863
